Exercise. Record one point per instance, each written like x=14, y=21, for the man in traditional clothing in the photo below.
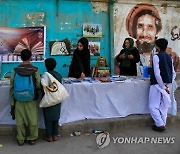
x=161, y=79
x=25, y=113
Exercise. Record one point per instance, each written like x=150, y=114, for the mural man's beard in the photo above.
x=145, y=47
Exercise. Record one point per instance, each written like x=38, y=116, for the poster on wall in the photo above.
x=94, y=48
x=92, y=30
x=145, y=22
x=58, y=48
x=14, y=40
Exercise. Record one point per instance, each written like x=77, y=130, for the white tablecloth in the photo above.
x=91, y=101
x=104, y=100
x=5, y=117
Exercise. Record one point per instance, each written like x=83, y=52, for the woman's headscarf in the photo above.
x=101, y=65
x=85, y=43
x=131, y=41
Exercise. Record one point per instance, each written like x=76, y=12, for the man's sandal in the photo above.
x=32, y=142
x=49, y=139
x=55, y=138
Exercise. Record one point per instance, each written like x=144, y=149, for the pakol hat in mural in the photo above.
x=138, y=11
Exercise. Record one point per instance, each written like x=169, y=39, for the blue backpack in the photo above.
x=23, y=88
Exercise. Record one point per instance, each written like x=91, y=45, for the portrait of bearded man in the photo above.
x=143, y=23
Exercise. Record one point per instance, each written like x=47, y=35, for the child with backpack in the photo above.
x=24, y=82
x=52, y=113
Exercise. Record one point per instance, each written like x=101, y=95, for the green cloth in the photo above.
x=52, y=113
x=126, y=62
x=52, y=128
x=26, y=114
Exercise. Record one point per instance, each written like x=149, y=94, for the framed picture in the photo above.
x=14, y=40
x=92, y=30
x=94, y=48
x=58, y=48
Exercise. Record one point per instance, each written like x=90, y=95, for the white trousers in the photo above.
x=159, y=102
x=173, y=109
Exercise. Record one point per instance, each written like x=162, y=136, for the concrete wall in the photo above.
x=63, y=19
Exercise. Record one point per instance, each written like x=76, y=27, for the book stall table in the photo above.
x=105, y=100
x=96, y=100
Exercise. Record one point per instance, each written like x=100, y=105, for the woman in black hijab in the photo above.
x=80, y=65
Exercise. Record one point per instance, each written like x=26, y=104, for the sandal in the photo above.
x=32, y=142
x=20, y=144
x=55, y=138
x=49, y=139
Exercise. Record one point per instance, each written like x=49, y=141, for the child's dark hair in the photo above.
x=162, y=44
x=50, y=64
x=26, y=54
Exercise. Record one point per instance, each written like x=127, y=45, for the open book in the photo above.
x=25, y=43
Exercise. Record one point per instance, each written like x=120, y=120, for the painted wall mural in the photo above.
x=145, y=23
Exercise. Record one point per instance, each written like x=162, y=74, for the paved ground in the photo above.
x=86, y=143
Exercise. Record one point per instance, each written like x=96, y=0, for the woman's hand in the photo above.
x=122, y=56
x=130, y=56
x=82, y=76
